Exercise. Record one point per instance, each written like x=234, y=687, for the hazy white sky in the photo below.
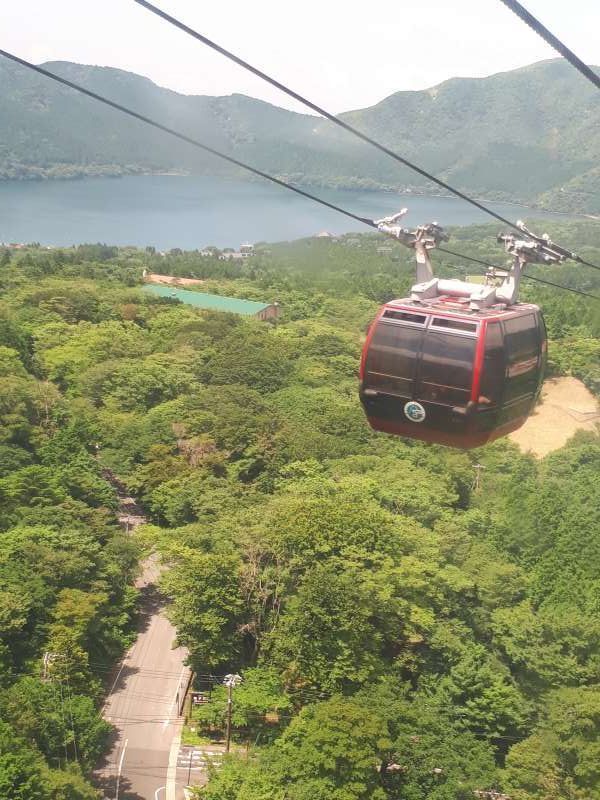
x=342, y=55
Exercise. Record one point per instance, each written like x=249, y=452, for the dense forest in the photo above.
x=414, y=636
x=531, y=134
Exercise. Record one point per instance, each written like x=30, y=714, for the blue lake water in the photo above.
x=192, y=212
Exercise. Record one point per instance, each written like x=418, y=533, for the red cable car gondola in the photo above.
x=442, y=374
x=455, y=363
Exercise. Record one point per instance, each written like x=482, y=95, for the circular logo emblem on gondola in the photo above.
x=414, y=411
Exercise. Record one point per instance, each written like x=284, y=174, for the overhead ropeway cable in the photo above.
x=525, y=276
x=552, y=40
x=319, y=110
x=182, y=136
x=331, y=117
x=196, y=143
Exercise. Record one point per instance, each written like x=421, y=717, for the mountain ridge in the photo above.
x=531, y=134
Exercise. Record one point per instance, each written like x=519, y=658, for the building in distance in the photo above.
x=245, y=251
x=216, y=302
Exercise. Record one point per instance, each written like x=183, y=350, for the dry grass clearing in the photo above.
x=566, y=407
x=172, y=280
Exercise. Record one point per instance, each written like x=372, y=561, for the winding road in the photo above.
x=144, y=701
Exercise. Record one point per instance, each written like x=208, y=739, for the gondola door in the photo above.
x=524, y=343
x=389, y=371
x=445, y=373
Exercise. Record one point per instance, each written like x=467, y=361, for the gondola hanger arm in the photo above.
x=422, y=239
x=530, y=250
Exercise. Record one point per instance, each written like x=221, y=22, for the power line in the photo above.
x=70, y=709
x=527, y=277
x=100, y=666
x=319, y=110
x=196, y=143
x=469, y=258
x=550, y=39
x=559, y=286
x=64, y=724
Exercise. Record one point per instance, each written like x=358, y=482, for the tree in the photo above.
x=50, y=715
x=303, y=550
x=206, y=607
x=260, y=694
x=90, y=344
x=489, y=700
x=432, y=757
x=548, y=648
x=263, y=363
x=332, y=634
x=69, y=785
x=561, y=759
x=331, y=751
x=20, y=768
x=29, y=486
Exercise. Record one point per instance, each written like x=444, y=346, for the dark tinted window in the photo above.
x=543, y=344
x=542, y=331
x=522, y=345
x=492, y=376
x=454, y=324
x=405, y=316
x=447, y=368
x=521, y=337
x=391, y=359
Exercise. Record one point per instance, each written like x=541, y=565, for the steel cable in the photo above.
x=550, y=39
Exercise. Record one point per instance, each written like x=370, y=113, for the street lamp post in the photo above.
x=230, y=682
x=190, y=765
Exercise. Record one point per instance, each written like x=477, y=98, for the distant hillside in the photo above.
x=531, y=134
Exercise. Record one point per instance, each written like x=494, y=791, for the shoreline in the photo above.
x=403, y=192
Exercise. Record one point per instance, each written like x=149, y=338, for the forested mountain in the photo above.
x=532, y=134
x=412, y=637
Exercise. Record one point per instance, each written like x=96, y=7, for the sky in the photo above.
x=342, y=55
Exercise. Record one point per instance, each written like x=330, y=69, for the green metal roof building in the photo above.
x=215, y=302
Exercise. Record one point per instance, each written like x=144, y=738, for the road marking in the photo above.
x=112, y=688
x=166, y=722
x=120, y=768
x=172, y=769
x=158, y=791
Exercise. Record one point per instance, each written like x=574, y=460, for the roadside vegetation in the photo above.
x=400, y=634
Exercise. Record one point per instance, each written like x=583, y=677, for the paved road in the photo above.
x=143, y=707
x=193, y=762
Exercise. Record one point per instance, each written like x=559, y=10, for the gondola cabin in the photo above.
x=445, y=373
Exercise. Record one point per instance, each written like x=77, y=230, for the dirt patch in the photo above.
x=566, y=407
x=172, y=280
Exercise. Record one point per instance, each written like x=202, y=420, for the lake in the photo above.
x=192, y=212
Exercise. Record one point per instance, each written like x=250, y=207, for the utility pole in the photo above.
x=230, y=682
x=477, y=481
x=48, y=658
x=47, y=677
